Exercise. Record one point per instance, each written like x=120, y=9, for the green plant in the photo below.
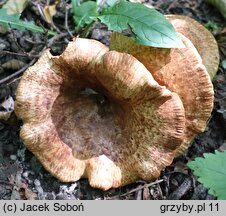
x=14, y=21
x=211, y=172
x=148, y=26
x=212, y=26
x=84, y=14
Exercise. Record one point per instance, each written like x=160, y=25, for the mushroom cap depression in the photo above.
x=184, y=74
x=202, y=39
x=98, y=114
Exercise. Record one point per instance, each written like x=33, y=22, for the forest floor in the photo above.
x=23, y=177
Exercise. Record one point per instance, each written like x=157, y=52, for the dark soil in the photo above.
x=23, y=177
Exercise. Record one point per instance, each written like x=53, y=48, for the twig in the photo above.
x=139, y=188
x=181, y=190
x=56, y=37
x=14, y=80
x=17, y=44
x=19, y=54
x=48, y=44
x=171, y=5
x=66, y=20
x=101, y=4
x=142, y=187
x=34, y=42
x=18, y=72
x=41, y=12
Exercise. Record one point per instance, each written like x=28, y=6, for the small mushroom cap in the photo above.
x=99, y=115
x=185, y=75
x=202, y=39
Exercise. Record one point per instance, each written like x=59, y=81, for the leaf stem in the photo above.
x=85, y=32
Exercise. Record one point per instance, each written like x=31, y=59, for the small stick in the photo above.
x=142, y=187
x=18, y=72
x=19, y=54
x=181, y=190
x=50, y=43
x=17, y=44
x=56, y=37
x=66, y=20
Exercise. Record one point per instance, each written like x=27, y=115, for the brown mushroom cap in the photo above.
x=185, y=75
x=202, y=39
x=98, y=114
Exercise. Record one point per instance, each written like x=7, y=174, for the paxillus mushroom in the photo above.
x=112, y=116
x=202, y=39
x=184, y=74
x=98, y=114
x=186, y=71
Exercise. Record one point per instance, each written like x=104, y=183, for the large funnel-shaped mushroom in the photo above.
x=98, y=114
x=184, y=74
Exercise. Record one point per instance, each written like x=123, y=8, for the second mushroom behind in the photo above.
x=181, y=72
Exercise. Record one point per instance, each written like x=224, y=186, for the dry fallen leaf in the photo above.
x=49, y=11
x=5, y=115
x=20, y=188
x=15, y=6
x=3, y=29
x=13, y=64
x=6, y=108
x=8, y=104
x=29, y=194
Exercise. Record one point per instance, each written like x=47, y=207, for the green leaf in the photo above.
x=84, y=14
x=149, y=26
x=211, y=172
x=13, y=21
x=212, y=26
